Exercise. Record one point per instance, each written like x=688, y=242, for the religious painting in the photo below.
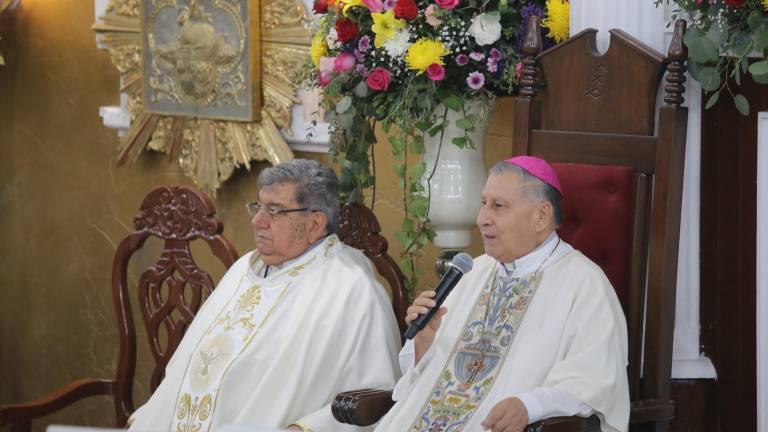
x=201, y=58
x=208, y=82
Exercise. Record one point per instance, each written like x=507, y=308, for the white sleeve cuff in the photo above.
x=532, y=405
x=545, y=402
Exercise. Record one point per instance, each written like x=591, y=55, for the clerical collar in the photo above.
x=271, y=268
x=533, y=260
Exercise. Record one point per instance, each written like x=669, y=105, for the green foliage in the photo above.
x=720, y=39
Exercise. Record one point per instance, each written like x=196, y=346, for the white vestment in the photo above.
x=275, y=350
x=572, y=337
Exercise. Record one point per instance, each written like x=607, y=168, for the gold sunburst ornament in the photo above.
x=209, y=82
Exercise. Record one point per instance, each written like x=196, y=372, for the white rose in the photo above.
x=486, y=28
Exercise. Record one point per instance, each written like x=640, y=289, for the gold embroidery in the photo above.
x=295, y=271
x=192, y=413
x=245, y=305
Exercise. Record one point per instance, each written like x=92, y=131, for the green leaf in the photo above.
x=760, y=79
x=712, y=100
x=742, y=104
x=453, y=102
x=423, y=125
x=417, y=206
x=467, y=122
x=438, y=128
x=759, y=68
x=709, y=78
x=700, y=48
x=459, y=142
x=400, y=170
x=417, y=170
x=754, y=20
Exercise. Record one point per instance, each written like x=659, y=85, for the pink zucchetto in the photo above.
x=538, y=168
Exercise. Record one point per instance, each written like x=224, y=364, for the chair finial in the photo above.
x=678, y=54
x=531, y=48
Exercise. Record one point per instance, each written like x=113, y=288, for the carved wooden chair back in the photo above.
x=169, y=292
x=622, y=179
x=360, y=229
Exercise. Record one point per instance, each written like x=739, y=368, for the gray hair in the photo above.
x=317, y=187
x=541, y=190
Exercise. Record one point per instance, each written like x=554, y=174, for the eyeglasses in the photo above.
x=255, y=207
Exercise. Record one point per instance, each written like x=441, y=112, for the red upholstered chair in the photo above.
x=170, y=293
x=622, y=179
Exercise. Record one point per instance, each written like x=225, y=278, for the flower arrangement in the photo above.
x=720, y=37
x=402, y=64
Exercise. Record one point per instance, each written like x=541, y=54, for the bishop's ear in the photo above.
x=543, y=215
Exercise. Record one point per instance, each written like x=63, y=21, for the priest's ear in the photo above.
x=317, y=226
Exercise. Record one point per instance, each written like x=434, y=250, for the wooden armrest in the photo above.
x=566, y=424
x=55, y=400
x=361, y=407
x=651, y=410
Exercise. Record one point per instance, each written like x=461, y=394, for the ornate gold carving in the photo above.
x=208, y=151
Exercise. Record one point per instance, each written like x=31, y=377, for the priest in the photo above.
x=289, y=326
x=533, y=331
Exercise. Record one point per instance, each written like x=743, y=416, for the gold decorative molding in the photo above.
x=210, y=149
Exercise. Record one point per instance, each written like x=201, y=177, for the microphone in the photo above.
x=460, y=264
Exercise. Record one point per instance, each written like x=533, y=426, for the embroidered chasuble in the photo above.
x=559, y=327
x=474, y=362
x=275, y=350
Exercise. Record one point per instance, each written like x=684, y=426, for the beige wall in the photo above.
x=64, y=204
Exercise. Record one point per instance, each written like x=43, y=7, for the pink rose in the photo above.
x=447, y=4
x=344, y=62
x=429, y=14
x=436, y=72
x=378, y=79
x=375, y=6
x=327, y=70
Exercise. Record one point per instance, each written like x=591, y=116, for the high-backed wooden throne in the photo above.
x=622, y=175
x=170, y=292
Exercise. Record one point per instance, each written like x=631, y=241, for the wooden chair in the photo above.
x=622, y=181
x=177, y=215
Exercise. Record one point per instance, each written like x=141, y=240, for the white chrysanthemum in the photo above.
x=397, y=45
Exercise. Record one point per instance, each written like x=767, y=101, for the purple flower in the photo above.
x=495, y=54
x=364, y=44
x=359, y=56
x=389, y=4
x=493, y=65
x=476, y=80
x=361, y=70
x=476, y=56
x=462, y=59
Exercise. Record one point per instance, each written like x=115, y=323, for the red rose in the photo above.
x=406, y=9
x=735, y=3
x=378, y=79
x=346, y=29
x=320, y=6
x=436, y=72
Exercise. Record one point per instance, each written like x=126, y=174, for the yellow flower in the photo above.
x=424, y=53
x=765, y=4
x=318, y=49
x=385, y=25
x=350, y=4
x=557, y=20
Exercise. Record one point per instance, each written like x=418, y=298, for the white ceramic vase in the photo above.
x=458, y=179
